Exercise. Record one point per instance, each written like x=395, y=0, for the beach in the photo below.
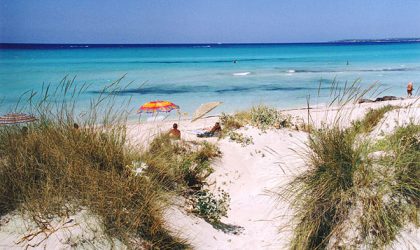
x=255, y=164
x=253, y=175
x=210, y=125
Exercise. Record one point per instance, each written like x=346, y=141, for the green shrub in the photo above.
x=235, y=121
x=264, y=117
x=183, y=167
x=240, y=138
x=210, y=207
x=261, y=116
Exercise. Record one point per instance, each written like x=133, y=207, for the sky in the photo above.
x=205, y=21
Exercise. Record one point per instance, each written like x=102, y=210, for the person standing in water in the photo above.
x=410, y=89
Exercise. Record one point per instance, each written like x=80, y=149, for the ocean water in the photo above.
x=282, y=75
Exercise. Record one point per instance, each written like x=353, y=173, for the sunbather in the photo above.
x=174, y=132
x=214, y=131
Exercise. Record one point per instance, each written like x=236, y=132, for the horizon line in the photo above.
x=344, y=41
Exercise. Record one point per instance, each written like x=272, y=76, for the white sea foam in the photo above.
x=291, y=71
x=241, y=73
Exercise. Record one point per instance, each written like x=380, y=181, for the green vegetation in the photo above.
x=322, y=196
x=261, y=116
x=347, y=182
x=210, y=207
x=53, y=168
x=183, y=168
x=394, y=197
x=371, y=119
x=179, y=166
x=240, y=138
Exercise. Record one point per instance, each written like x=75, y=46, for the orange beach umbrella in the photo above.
x=15, y=118
x=157, y=106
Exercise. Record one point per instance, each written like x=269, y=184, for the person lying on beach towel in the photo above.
x=214, y=131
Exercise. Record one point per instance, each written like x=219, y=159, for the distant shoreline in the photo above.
x=204, y=45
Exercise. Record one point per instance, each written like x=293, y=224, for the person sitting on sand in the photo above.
x=216, y=129
x=174, y=132
x=410, y=89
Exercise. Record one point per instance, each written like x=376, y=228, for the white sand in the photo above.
x=251, y=175
x=82, y=230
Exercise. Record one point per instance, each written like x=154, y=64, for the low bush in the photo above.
x=261, y=116
x=177, y=165
x=394, y=195
x=210, y=207
x=240, y=138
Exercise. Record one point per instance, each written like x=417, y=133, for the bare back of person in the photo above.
x=174, y=132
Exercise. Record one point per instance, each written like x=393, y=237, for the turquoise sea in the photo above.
x=240, y=75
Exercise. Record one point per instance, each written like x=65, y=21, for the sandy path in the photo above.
x=250, y=175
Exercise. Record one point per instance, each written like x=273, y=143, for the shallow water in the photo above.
x=282, y=75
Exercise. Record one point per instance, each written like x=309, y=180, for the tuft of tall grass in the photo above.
x=51, y=168
x=322, y=196
x=405, y=145
x=182, y=168
x=394, y=197
x=371, y=119
x=346, y=180
x=179, y=166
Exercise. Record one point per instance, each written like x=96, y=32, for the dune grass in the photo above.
x=260, y=116
x=182, y=168
x=322, y=196
x=179, y=166
x=394, y=197
x=50, y=168
x=344, y=180
x=371, y=119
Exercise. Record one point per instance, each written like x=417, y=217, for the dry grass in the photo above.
x=345, y=183
x=323, y=195
x=182, y=168
x=178, y=165
x=52, y=169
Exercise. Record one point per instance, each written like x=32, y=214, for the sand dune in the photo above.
x=252, y=175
